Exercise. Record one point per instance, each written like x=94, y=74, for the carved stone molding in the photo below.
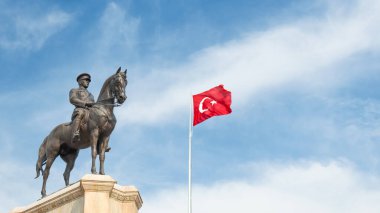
x=54, y=200
x=127, y=194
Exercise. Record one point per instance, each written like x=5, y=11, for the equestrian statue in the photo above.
x=91, y=126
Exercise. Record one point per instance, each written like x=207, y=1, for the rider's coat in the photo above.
x=79, y=97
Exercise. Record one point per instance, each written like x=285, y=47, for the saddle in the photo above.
x=84, y=121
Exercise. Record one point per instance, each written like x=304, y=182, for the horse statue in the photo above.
x=95, y=133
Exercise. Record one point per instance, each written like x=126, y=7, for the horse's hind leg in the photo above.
x=69, y=158
x=50, y=159
x=41, y=158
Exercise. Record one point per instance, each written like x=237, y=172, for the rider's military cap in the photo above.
x=84, y=76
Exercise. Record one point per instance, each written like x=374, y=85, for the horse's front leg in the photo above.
x=94, y=135
x=102, y=156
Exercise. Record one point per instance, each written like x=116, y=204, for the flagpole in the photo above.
x=190, y=138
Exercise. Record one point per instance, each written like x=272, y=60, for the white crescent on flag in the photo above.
x=201, y=110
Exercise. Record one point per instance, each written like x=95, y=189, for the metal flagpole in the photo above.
x=190, y=137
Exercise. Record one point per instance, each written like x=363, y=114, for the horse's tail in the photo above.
x=41, y=158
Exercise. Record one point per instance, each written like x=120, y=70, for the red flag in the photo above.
x=213, y=102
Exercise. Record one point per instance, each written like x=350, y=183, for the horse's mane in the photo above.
x=105, y=92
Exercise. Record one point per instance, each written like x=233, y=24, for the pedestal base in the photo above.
x=91, y=194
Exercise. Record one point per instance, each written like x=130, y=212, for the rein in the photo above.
x=107, y=104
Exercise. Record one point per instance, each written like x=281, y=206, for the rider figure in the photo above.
x=81, y=99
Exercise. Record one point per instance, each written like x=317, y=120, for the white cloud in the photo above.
x=298, y=188
x=18, y=188
x=21, y=30
x=6, y=141
x=115, y=36
x=258, y=61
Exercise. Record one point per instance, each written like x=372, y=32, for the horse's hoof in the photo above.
x=101, y=173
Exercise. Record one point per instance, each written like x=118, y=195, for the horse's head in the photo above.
x=118, y=84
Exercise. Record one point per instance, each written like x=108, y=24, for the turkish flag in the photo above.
x=213, y=102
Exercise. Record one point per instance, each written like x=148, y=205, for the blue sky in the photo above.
x=305, y=128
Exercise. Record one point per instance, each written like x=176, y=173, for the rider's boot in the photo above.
x=75, y=136
x=108, y=149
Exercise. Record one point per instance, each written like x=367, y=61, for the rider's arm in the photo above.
x=74, y=99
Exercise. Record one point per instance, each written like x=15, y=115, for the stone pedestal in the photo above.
x=92, y=194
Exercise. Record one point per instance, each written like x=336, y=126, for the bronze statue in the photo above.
x=95, y=130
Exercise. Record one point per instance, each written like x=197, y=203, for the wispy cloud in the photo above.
x=342, y=133
x=295, y=188
x=16, y=193
x=6, y=141
x=115, y=36
x=258, y=61
x=21, y=29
